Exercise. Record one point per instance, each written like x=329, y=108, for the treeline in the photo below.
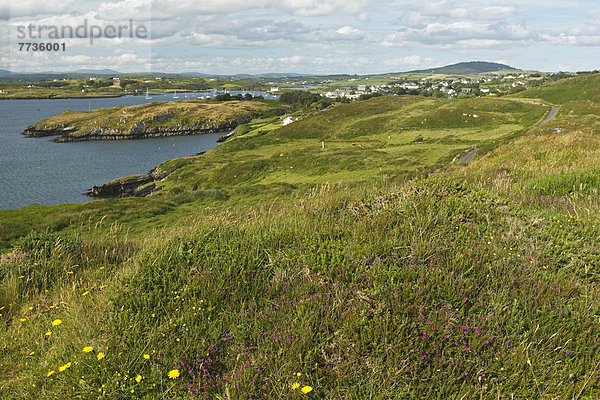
x=229, y=97
x=299, y=98
x=304, y=99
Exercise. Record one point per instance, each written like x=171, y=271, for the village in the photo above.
x=432, y=86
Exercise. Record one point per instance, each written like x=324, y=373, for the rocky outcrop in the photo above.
x=137, y=131
x=226, y=136
x=130, y=186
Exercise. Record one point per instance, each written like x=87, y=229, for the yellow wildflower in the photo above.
x=298, y=374
x=138, y=378
x=146, y=356
x=100, y=356
x=64, y=367
x=88, y=349
x=49, y=373
x=32, y=353
x=56, y=322
x=22, y=319
x=85, y=293
x=48, y=333
x=295, y=386
x=174, y=374
x=306, y=389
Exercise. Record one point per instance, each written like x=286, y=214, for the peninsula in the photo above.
x=173, y=118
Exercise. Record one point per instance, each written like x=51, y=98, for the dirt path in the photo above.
x=469, y=156
x=550, y=116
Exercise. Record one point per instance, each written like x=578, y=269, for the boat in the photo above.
x=175, y=95
x=148, y=97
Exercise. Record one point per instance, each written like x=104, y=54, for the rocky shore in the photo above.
x=129, y=186
x=73, y=133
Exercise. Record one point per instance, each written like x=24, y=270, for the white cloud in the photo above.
x=593, y=17
x=32, y=8
x=494, y=13
x=446, y=9
x=408, y=61
x=167, y=9
x=443, y=34
x=344, y=33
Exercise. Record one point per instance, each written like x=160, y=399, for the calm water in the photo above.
x=35, y=170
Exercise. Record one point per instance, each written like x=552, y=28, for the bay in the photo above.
x=36, y=170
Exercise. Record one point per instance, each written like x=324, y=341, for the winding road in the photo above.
x=550, y=116
x=469, y=156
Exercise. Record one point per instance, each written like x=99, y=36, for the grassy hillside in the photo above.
x=332, y=280
x=378, y=138
x=578, y=88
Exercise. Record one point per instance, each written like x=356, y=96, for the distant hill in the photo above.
x=465, y=68
x=97, y=71
x=4, y=72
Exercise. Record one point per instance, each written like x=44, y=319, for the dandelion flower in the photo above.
x=85, y=293
x=32, y=353
x=88, y=349
x=174, y=374
x=56, y=322
x=295, y=386
x=298, y=374
x=49, y=373
x=306, y=389
x=138, y=378
x=48, y=333
x=64, y=367
x=146, y=356
x=100, y=356
x=22, y=319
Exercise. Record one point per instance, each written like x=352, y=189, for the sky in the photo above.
x=299, y=36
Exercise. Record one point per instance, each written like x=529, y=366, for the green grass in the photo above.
x=582, y=87
x=477, y=281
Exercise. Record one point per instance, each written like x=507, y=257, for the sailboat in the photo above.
x=148, y=97
x=175, y=95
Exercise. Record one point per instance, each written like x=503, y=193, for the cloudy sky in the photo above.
x=303, y=36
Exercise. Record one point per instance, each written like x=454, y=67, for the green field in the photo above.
x=369, y=266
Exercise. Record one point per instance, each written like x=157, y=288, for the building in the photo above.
x=288, y=120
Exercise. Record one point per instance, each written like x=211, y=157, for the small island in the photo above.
x=170, y=118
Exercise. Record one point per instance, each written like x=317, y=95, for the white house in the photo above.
x=288, y=120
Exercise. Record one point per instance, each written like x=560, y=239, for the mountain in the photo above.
x=97, y=71
x=4, y=72
x=465, y=68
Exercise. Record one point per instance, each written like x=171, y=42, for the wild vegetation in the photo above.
x=341, y=256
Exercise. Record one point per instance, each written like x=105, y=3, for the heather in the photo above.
x=458, y=281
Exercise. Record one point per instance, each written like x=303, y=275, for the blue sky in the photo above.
x=309, y=36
